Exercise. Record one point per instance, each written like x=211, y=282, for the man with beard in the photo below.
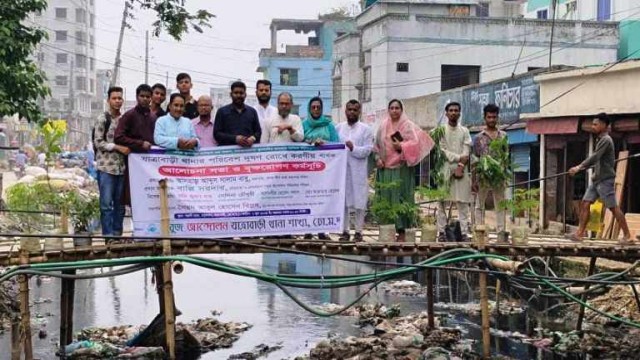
x=358, y=138
x=236, y=123
x=203, y=124
x=283, y=127
x=135, y=130
x=158, y=96
x=184, y=85
x=481, y=147
x=264, y=109
x=456, y=146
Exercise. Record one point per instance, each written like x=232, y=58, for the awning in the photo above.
x=563, y=125
x=520, y=136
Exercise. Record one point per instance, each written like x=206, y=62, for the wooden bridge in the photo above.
x=537, y=245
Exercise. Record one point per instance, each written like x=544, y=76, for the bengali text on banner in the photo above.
x=230, y=191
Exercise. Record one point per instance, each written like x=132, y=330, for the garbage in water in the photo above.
x=86, y=349
x=257, y=352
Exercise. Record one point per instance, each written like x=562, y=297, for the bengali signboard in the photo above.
x=513, y=97
x=231, y=192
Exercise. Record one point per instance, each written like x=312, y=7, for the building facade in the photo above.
x=68, y=59
x=303, y=70
x=406, y=50
x=625, y=12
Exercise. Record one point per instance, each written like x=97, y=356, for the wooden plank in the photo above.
x=167, y=288
x=633, y=220
x=621, y=175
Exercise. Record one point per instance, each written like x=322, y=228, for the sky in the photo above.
x=225, y=52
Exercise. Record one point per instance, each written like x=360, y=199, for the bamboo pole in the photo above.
x=480, y=236
x=592, y=270
x=25, y=314
x=167, y=288
x=67, y=294
x=15, y=340
x=430, y=299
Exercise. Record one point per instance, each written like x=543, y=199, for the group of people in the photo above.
x=397, y=147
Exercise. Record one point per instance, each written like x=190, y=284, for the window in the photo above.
x=81, y=16
x=482, y=10
x=542, y=14
x=92, y=40
x=337, y=92
x=92, y=20
x=604, y=10
x=402, y=67
x=92, y=85
x=61, y=13
x=61, y=35
x=81, y=83
x=81, y=38
x=92, y=62
x=61, y=80
x=286, y=267
x=289, y=77
x=81, y=61
x=295, y=109
x=41, y=57
x=61, y=58
x=453, y=76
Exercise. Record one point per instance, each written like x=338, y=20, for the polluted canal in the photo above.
x=270, y=325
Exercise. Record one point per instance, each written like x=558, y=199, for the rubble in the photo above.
x=605, y=343
x=619, y=300
x=258, y=352
x=213, y=334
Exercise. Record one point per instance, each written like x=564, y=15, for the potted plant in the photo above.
x=386, y=212
x=429, y=230
x=524, y=203
x=84, y=208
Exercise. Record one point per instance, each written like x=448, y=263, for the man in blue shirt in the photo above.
x=173, y=131
x=236, y=123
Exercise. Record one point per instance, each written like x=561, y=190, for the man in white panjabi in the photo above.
x=456, y=146
x=264, y=109
x=358, y=138
x=283, y=127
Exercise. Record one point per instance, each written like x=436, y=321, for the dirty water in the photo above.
x=276, y=319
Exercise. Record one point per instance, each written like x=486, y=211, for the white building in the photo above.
x=409, y=49
x=68, y=59
x=625, y=12
x=222, y=96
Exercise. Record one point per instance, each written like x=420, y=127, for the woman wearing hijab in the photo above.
x=318, y=129
x=400, y=145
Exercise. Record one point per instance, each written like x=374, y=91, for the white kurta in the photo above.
x=271, y=135
x=357, y=187
x=456, y=143
x=264, y=115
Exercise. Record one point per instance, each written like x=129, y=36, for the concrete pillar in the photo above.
x=543, y=173
x=274, y=38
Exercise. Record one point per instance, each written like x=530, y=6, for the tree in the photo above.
x=22, y=83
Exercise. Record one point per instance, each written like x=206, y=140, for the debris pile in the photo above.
x=59, y=179
x=404, y=288
x=407, y=337
x=9, y=306
x=103, y=350
x=213, y=334
x=257, y=352
x=606, y=343
x=619, y=301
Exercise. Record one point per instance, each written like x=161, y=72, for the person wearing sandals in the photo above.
x=318, y=129
x=399, y=146
x=603, y=180
x=358, y=138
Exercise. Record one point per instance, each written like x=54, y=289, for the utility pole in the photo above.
x=72, y=97
x=146, y=57
x=554, y=5
x=123, y=25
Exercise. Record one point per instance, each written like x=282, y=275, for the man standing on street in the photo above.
x=358, y=138
x=603, y=180
x=283, y=127
x=158, y=96
x=184, y=85
x=236, y=123
x=203, y=124
x=481, y=147
x=456, y=146
x=110, y=159
x=264, y=109
x=135, y=129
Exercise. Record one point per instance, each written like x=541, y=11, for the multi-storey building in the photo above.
x=68, y=59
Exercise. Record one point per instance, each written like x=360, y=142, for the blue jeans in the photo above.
x=111, y=207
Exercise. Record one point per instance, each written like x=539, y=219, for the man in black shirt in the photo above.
x=236, y=123
x=603, y=180
x=184, y=85
x=158, y=96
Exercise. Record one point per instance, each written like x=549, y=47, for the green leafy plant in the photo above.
x=523, y=202
x=430, y=195
x=439, y=159
x=25, y=200
x=83, y=209
x=495, y=169
x=386, y=212
x=53, y=133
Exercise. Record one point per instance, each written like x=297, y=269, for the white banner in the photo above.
x=238, y=192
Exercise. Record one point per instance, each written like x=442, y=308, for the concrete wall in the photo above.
x=614, y=91
x=585, y=9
